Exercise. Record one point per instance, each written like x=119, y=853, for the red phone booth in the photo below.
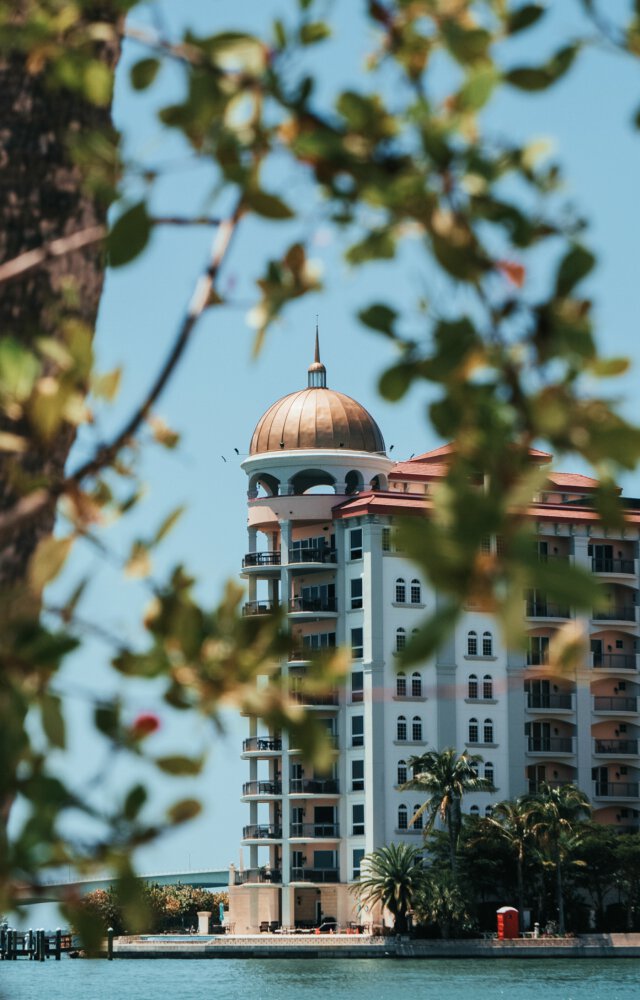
x=507, y=922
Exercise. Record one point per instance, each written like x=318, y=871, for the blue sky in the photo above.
x=219, y=393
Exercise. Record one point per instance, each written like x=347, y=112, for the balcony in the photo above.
x=538, y=659
x=614, y=661
x=550, y=744
x=620, y=613
x=625, y=567
x=258, y=875
x=262, y=744
x=313, y=605
x=270, y=558
x=259, y=789
x=614, y=703
x=312, y=555
x=536, y=786
x=315, y=875
x=616, y=748
x=314, y=786
x=543, y=609
x=327, y=700
x=258, y=831
x=259, y=608
x=615, y=789
x=315, y=831
x=544, y=702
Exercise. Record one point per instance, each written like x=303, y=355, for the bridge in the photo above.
x=53, y=892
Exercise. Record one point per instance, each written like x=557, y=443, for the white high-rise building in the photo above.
x=323, y=496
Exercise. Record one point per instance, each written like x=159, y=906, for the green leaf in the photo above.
x=136, y=798
x=541, y=77
x=143, y=73
x=129, y=235
x=609, y=367
x=315, y=31
x=53, y=720
x=178, y=765
x=169, y=522
x=431, y=636
x=466, y=45
x=395, y=382
x=379, y=317
x=267, y=205
x=575, y=266
x=19, y=369
x=524, y=17
x=378, y=245
x=183, y=811
x=477, y=88
x=47, y=561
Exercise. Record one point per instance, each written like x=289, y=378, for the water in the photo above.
x=351, y=979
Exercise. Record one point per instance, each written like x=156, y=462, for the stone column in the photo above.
x=204, y=916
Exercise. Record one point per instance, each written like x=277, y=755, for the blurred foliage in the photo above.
x=510, y=363
x=160, y=908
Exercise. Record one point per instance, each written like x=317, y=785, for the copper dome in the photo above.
x=316, y=417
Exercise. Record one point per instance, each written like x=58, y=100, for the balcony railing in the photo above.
x=616, y=747
x=599, y=565
x=256, y=831
x=550, y=744
x=259, y=607
x=313, y=604
x=270, y=744
x=258, y=875
x=551, y=556
x=270, y=558
x=312, y=555
x=314, y=786
x=537, y=786
x=304, y=698
x=543, y=701
x=614, y=661
x=616, y=789
x=314, y=830
x=543, y=609
x=621, y=613
x=315, y=875
x=614, y=703
x=262, y=788
x=537, y=659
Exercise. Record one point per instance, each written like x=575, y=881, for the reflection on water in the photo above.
x=277, y=979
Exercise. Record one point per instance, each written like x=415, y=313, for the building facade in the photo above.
x=322, y=500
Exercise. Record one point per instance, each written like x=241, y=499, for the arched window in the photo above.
x=487, y=731
x=474, y=811
x=401, y=729
x=401, y=591
x=472, y=644
x=416, y=592
x=403, y=818
x=416, y=729
x=488, y=811
x=487, y=644
x=487, y=687
x=473, y=687
x=473, y=731
x=401, y=686
x=488, y=771
x=402, y=772
x=417, y=823
x=401, y=639
x=416, y=685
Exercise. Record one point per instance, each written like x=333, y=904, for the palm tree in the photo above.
x=391, y=875
x=512, y=822
x=446, y=776
x=555, y=813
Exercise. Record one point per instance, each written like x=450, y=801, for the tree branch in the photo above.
x=28, y=261
x=32, y=504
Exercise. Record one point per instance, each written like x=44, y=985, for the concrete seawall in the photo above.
x=351, y=946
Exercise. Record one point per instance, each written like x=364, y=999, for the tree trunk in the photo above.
x=520, y=894
x=454, y=822
x=559, y=892
x=42, y=198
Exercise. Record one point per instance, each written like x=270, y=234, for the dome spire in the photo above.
x=317, y=371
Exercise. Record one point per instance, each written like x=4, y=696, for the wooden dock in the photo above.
x=36, y=946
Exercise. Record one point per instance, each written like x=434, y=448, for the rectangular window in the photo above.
x=473, y=731
x=358, y=855
x=357, y=730
x=319, y=640
x=357, y=643
x=416, y=731
x=357, y=686
x=356, y=593
x=416, y=592
x=487, y=689
x=357, y=820
x=487, y=645
x=357, y=775
x=355, y=543
x=386, y=539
